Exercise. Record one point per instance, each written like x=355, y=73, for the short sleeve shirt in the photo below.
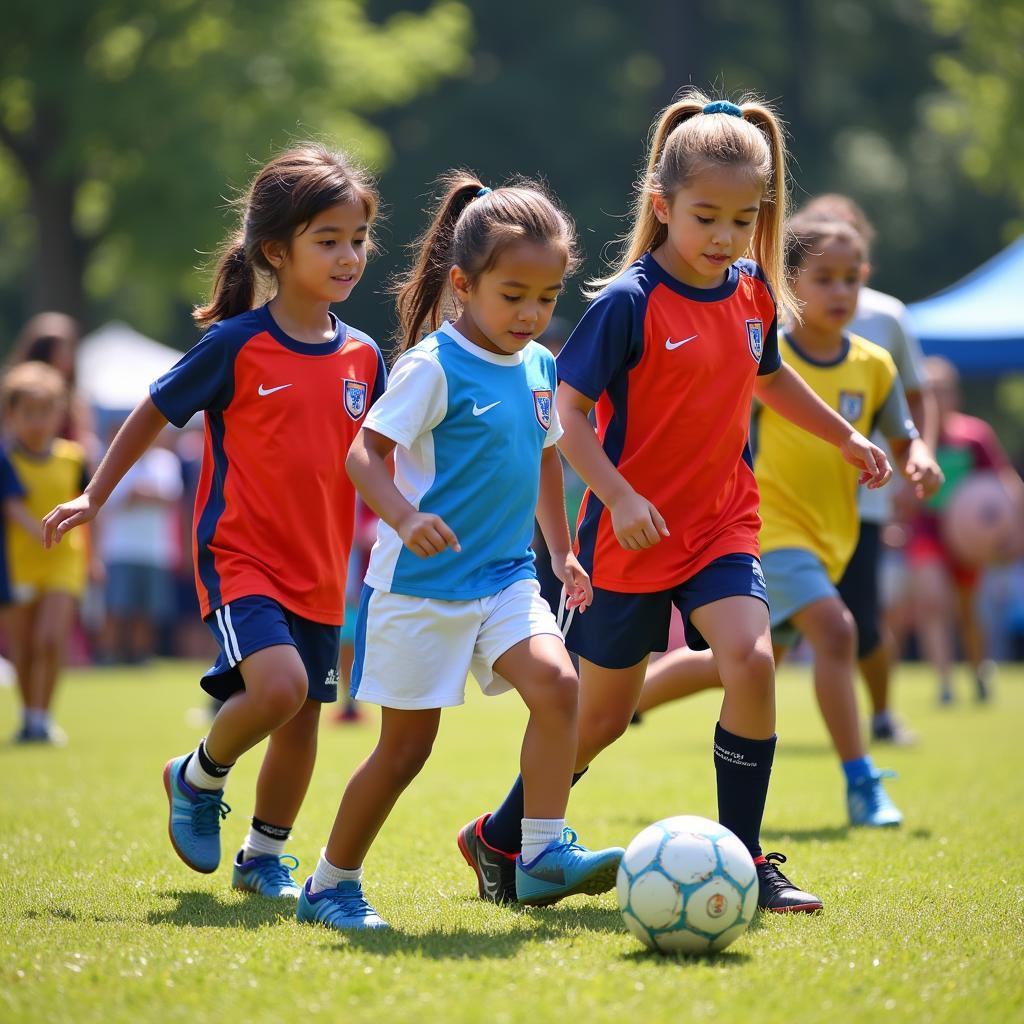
x=274, y=508
x=672, y=370
x=470, y=426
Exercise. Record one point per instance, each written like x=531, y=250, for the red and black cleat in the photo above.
x=495, y=869
x=777, y=893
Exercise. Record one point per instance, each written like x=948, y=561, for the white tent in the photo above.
x=116, y=365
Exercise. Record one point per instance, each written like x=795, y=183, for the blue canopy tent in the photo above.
x=978, y=323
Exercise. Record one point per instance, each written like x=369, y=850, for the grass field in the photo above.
x=101, y=922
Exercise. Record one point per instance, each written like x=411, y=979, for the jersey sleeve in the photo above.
x=607, y=341
x=893, y=418
x=554, y=431
x=415, y=400
x=202, y=379
x=10, y=485
x=906, y=351
x=380, y=380
x=771, y=357
x=988, y=452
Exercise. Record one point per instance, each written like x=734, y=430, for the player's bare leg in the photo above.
x=678, y=674
x=975, y=642
x=406, y=739
x=934, y=605
x=830, y=630
x=608, y=698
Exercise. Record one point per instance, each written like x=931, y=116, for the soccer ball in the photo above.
x=979, y=524
x=687, y=885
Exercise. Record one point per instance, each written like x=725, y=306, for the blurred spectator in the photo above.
x=46, y=584
x=140, y=545
x=944, y=590
x=52, y=338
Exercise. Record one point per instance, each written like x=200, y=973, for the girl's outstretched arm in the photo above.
x=636, y=522
x=422, y=533
x=786, y=393
x=555, y=527
x=137, y=433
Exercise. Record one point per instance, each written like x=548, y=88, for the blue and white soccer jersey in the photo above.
x=470, y=427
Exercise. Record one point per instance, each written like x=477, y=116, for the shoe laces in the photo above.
x=873, y=793
x=770, y=876
x=350, y=903
x=278, y=870
x=208, y=810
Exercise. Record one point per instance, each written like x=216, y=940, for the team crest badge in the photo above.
x=755, y=338
x=355, y=398
x=851, y=405
x=542, y=407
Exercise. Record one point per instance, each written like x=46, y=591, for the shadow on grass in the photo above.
x=648, y=957
x=826, y=833
x=72, y=916
x=198, y=909
x=467, y=944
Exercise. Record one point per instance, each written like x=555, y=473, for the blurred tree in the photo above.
x=985, y=78
x=123, y=124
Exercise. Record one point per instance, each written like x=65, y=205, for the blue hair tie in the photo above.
x=482, y=192
x=723, y=107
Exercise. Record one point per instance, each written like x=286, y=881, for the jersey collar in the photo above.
x=808, y=358
x=304, y=348
x=655, y=270
x=512, y=359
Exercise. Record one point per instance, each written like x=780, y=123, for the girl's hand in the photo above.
x=425, y=534
x=923, y=472
x=868, y=458
x=578, y=590
x=66, y=517
x=636, y=522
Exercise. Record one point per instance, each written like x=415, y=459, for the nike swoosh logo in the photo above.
x=477, y=411
x=670, y=344
x=545, y=874
x=270, y=391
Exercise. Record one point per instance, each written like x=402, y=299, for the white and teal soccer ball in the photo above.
x=687, y=885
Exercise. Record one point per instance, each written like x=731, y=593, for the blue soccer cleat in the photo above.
x=266, y=875
x=195, y=817
x=565, y=868
x=869, y=804
x=343, y=908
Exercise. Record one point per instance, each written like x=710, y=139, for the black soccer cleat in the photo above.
x=495, y=870
x=776, y=893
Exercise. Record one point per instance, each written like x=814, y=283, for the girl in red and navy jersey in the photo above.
x=284, y=387
x=677, y=342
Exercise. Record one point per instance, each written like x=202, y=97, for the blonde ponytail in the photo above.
x=683, y=144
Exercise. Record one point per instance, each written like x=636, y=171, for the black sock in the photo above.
x=208, y=764
x=743, y=768
x=504, y=828
x=278, y=832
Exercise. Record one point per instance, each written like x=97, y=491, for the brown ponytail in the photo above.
x=471, y=226
x=286, y=194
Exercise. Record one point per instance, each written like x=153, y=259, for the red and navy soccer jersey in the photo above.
x=672, y=370
x=274, y=509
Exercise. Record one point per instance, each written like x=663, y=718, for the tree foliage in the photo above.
x=985, y=79
x=123, y=124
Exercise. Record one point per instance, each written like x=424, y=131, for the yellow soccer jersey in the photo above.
x=48, y=480
x=808, y=491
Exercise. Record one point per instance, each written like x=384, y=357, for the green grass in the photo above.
x=101, y=922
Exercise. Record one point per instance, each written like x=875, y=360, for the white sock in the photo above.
x=198, y=778
x=327, y=876
x=259, y=844
x=537, y=834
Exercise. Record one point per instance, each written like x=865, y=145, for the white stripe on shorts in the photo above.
x=564, y=614
x=224, y=638
x=231, y=632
